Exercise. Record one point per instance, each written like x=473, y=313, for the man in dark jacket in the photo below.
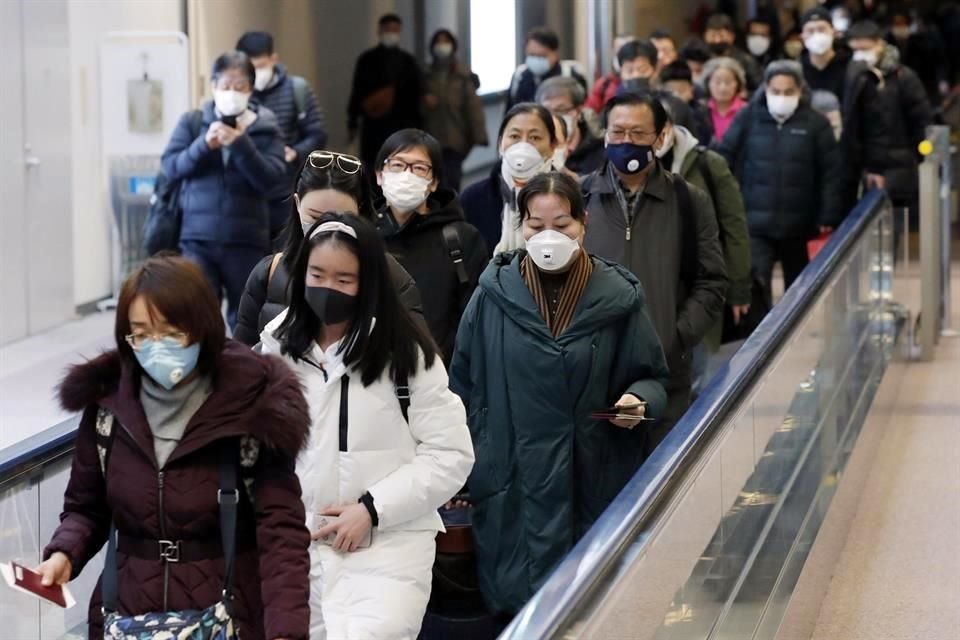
x=790, y=170
x=564, y=98
x=921, y=49
x=664, y=231
x=229, y=158
x=542, y=62
x=298, y=115
x=386, y=93
x=677, y=79
x=824, y=65
x=885, y=116
x=720, y=35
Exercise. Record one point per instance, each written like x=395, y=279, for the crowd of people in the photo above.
x=402, y=348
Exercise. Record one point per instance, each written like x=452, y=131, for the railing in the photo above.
x=708, y=538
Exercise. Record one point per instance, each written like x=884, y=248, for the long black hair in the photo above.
x=382, y=333
x=356, y=185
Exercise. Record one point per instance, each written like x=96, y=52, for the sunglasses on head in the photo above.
x=324, y=159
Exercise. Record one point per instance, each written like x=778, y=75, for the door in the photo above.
x=37, y=280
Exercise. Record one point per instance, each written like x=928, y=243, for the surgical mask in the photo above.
x=900, y=33
x=668, y=139
x=168, y=362
x=758, y=45
x=390, y=39
x=630, y=158
x=559, y=158
x=552, y=251
x=263, y=78
x=819, y=43
x=636, y=85
x=868, y=56
x=404, y=191
x=442, y=50
x=793, y=48
x=538, y=65
x=521, y=162
x=570, y=119
x=841, y=23
x=782, y=107
x=306, y=224
x=329, y=305
x=230, y=103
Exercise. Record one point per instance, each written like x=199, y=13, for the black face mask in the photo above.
x=719, y=48
x=329, y=305
x=636, y=85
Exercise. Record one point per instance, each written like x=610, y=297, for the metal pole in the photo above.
x=930, y=292
x=946, y=216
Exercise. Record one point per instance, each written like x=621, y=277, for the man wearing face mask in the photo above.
x=299, y=116
x=922, y=50
x=721, y=35
x=824, y=65
x=885, y=116
x=542, y=62
x=229, y=159
x=760, y=41
x=582, y=151
x=790, y=171
x=638, y=66
x=387, y=91
x=664, y=231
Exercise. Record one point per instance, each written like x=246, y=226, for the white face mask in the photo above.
x=404, y=191
x=818, y=43
x=668, y=139
x=570, y=119
x=306, y=223
x=758, y=45
x=559, y=158
x=263, y=78
x=443, y=50
x=230, y=103
x=552, y=251
x=390, y=39
x=782, y=107
x=841, y=23
x=866, y=55
x=521, y=162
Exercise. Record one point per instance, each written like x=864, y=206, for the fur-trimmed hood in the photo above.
x=252, y=395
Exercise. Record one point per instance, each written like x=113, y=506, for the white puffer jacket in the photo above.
x=409, y=469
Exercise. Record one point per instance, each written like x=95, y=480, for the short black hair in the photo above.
x=720, y=22
x=760, y=20
x=545, y=36
x=638, y=49
x=407, y=139
x=865, y=29
x=382, y=335
x=233, y=60
x=256, y=44
x=662, y=34
x=534, y=109
x=389, y=18
x=630, y=99
x=444, y=32
x=678, y=70
x=555, y=183
x=695, y=50
x=678, y=112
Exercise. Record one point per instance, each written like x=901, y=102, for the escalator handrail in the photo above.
x=38, y=449
x=596, y=554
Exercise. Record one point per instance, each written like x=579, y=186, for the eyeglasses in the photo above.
x=396, y=165
x=636, y=136
x=138, y=340
x=324, y=159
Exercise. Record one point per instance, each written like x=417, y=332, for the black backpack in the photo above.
x=161, y=232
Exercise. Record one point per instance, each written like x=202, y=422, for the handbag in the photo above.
x=212, y=623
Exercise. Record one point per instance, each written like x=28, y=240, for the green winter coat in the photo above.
x=544, y=470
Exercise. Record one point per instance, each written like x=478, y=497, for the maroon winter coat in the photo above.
x=252, y=395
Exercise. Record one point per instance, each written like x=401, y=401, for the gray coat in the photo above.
x=682, y=312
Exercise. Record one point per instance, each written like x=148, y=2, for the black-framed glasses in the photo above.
x=325, y=159
x=396, y=165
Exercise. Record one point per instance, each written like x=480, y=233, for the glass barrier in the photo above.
x=708, y=541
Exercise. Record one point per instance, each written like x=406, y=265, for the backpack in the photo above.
x=300, y=89
x=161, y=231
x=689, y=254
x=451, y=239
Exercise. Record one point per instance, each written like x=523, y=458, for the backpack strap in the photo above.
x=300, y=97
x=700, y=165
x=273, y=268
x=688, y=256
x=451, y=239
x=196, y=122
x=402, y=387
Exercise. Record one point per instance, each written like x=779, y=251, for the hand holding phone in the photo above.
x=345, y=528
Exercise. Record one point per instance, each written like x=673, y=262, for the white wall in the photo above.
x=92, y=222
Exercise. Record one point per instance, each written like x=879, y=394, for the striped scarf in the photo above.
x=570, y=293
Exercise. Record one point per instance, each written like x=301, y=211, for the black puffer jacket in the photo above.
x=885, y=116
x=264, y=297
x=419, y=246
x=791, y=174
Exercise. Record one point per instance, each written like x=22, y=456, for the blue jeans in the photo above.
x=227, y=268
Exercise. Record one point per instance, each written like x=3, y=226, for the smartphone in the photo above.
x=230, y=121
x=322, y=521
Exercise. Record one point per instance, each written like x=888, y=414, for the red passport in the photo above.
x=28, y=581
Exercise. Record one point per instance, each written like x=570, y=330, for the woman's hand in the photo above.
x=56, y=569
x=352, y=527
x=629, y=400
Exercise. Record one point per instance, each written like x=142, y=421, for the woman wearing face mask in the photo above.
x=725, y=80
x=162, y=414
x=452, y=110
x=229, y=157
x=388, y=445
x=527, y=140
x=551, y=336
x=424, y=229
x=328, y=181
x=790, y=170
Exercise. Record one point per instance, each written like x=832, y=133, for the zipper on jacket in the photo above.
x=163, y=536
